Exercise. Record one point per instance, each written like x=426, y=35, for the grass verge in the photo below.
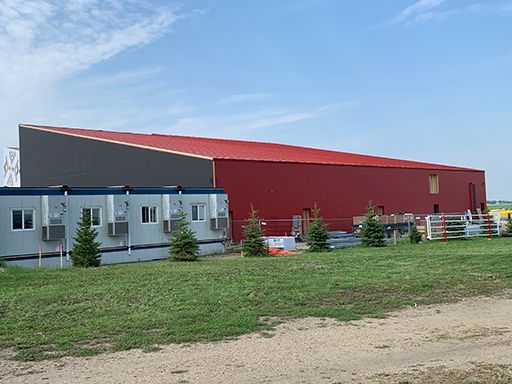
x=50, y=313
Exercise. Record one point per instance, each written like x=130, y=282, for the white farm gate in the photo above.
x=459, y=226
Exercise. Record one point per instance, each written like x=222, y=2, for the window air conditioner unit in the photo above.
x=117, y=215
x=171, y=206
x=219, y=212
x=53, y=209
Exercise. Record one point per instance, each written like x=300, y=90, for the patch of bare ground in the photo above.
x=476, y=373
x=466, y=342
x=7, y=353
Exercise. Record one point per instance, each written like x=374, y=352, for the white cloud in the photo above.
x=242, y=97
x=499, y=9
x=42, y=41
x=336, y=107
x=45, y=41
x=417, y=12
x=432, y=10
x=112, y=117
x=506, y=8
x=236, y=125
x=123, y=77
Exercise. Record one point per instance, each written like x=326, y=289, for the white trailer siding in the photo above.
x=144, y=240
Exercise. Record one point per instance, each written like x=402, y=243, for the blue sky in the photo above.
x=426, y=80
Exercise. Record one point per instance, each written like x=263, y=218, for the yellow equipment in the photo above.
x=504, y=213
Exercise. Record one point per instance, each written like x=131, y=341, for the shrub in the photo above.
x=183, y=241
x=372, y=232
x=253, y=243
x=86, y=250
x=317, y=233
x=414, y=235
x=2, y=263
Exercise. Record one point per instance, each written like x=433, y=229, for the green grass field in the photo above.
x=499, y=206
x=49, y=313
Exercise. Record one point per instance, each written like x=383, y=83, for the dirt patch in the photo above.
x=476, y=373
x=273, y=320
x=466, y=342
x=7, y=353
x=461, y=332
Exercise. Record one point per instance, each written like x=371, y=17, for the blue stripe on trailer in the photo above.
x=58, y=191
x=33, y=256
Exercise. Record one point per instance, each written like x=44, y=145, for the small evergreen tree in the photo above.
x=372, y=232
x=183, y=241
x=253, y=243
x=414, y=235
x=317, y=233
x=86, y=249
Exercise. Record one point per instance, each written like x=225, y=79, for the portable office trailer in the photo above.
x=133, y=224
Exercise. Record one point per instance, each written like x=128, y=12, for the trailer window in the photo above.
x=22, y=219
x=434, y=184
x=198, y=212
x=95, y=215
x=148, y=215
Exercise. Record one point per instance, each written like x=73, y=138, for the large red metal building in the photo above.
x=281, y=181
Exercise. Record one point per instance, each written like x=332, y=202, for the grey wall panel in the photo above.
x=54, y=159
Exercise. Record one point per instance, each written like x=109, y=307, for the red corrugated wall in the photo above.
x=281, y=190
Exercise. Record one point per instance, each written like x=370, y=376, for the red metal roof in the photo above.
x=240, y=150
